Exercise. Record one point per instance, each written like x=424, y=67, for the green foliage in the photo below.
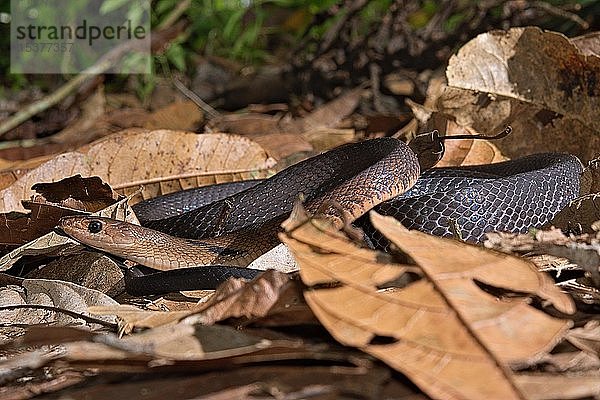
x=237, y=29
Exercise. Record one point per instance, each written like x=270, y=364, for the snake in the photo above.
x=231, y=224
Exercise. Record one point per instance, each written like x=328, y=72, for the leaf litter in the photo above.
x=458, y=321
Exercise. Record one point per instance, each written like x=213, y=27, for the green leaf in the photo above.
x=176, y=55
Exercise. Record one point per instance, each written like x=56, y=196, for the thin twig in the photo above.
x=73, y=314
x=550, y=9
x=195, y=98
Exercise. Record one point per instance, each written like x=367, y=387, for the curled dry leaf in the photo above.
x=163, y=161
x=444, y=332
x=457, y=152
x=468, y=152
x=236, y=298
x=174, y=342
x=53, y=244
x=539, y=82
x=54, y=201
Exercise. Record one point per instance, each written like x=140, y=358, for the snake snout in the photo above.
x=98, y=232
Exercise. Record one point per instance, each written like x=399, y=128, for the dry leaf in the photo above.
x=89, y=269
x=52, y=244
x=538, y=82
x=559, y=387
x=91, y=111
x=444, y=332
x=235, y=298
x=588, y=44
x=281, y=145
x=325, y=139
x=59, y=294
x=326, y=116
x=164, y=161
x=54, y=201
x=180, y=115
x=583, y=250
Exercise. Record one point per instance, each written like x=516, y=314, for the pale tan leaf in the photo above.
x=325, y=139
x=423, y=337
x=282, y=145
x=589, y=44
x=559, y=387
x=530, y=65
x=512, y=330
x=539, y=82
x=162, y=160
x=180, y=115
x=330, y=114
x=59, y=294
x=174, y=342
x=134, y=317
x=468, y=152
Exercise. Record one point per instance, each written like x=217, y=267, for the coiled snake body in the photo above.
x=508, y=196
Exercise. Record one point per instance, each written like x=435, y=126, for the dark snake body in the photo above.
x=222, y=225
x=509, y=196
x=352, y=175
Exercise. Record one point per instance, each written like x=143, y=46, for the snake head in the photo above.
x=101, y=233
x=429, y=148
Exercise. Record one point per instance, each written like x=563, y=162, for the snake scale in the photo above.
x=234, y=223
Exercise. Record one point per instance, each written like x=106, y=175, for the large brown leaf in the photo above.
x=163, y=161
x=445, y=333
x=539, y=82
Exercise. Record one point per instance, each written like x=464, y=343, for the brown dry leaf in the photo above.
x=559, y=387
x=328, y=115
x=53, y=245
x=580, y=215
x=455, y=267
x=281, y=145
x=54, y=201
x=247, y=300
x=236, y=298
x=446, y=334
x=163, y=161
x=180, y=115
x=538, y=82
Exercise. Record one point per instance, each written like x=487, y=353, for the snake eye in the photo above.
x=94, y=226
